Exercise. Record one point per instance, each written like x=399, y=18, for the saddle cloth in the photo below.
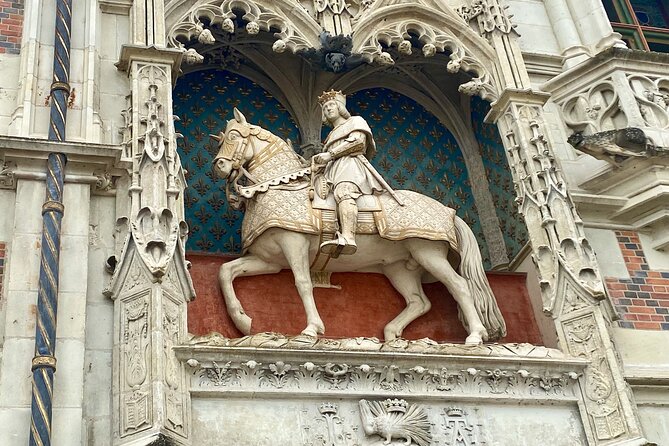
x=421, y=216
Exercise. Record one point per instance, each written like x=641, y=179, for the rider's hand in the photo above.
x=323, y=158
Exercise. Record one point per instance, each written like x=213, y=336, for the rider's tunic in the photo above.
x=349, y=167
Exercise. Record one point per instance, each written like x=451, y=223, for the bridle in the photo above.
x=234, y=150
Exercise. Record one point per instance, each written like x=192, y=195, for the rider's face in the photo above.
x=331, y=110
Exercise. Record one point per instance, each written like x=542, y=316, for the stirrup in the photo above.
x=338, y=246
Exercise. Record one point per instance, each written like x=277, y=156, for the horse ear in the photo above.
x=215, y=137
x=239, y=116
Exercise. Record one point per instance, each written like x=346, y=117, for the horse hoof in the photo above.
x=390, y=335
x=241, y=321
x=314, y=330
x=474, y=339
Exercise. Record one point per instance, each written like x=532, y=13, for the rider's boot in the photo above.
x=344, y=242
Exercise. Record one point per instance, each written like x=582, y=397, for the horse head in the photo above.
x=234, y=149
x=244, y=144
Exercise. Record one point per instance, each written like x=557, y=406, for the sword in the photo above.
x=380, y=179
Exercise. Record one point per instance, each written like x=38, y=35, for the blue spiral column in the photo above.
x=44, y=362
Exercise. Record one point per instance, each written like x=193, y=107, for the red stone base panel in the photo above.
x=363, y=306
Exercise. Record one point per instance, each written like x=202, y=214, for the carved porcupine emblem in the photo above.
x=396, y=419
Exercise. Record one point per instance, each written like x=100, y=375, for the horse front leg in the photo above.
x=249, y=265
x=295, y=247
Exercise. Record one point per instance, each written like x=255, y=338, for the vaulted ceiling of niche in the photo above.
x=296, y=82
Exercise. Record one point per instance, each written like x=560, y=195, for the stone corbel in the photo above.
x=120, y=7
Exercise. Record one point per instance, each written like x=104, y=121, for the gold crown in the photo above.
x=336, y=95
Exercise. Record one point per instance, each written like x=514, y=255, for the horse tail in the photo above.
x=471, y=269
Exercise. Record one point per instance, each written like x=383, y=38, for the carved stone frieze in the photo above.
x=652, y=98
x=595, y=109
x=366, y=366
x=330, y=378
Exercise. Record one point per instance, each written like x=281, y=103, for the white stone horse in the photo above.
x=274, y=168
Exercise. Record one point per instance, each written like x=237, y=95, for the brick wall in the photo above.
x=642, y=300
x=11, y=25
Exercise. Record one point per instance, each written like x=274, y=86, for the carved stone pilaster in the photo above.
x=571, y=285
x=148, y=22
x=151, y=284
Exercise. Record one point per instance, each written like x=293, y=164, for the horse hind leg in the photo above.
x=249, y=265
x=432, y=255
x=407, y=282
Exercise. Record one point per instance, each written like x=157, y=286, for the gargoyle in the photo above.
x=615, y=146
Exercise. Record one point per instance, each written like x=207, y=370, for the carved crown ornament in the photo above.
x=376, y=33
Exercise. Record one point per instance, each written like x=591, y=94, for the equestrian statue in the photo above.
x=338, y=214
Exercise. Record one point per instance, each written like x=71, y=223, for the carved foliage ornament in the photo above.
x=652, y=97
x=219, y=14
x=489, y=16
x=276, y=376
x=6, y=175
x=602, y=401
x=434, y=40
x=135, y=363
x=594, y=110
x=302, y=33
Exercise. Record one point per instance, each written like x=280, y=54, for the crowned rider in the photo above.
x=345, y=153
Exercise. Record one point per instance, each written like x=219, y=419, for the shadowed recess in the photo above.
x=499, y=179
